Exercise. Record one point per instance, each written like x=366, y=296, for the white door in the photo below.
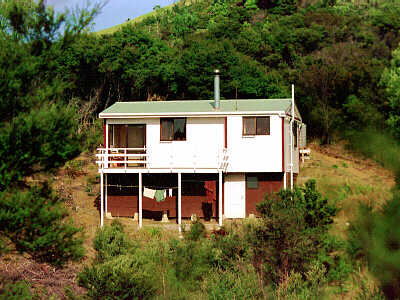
x=235, y=200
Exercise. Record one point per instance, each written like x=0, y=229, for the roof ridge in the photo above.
x=208, y=100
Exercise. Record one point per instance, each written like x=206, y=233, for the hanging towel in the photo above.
x=149, y=193
x=211, y=190
x=170, y=192
x=160, y=195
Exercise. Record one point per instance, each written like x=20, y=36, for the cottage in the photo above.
x=210, y=158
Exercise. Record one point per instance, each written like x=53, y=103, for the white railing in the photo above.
x=121, y=158
x=127, y=158
x=225, y=160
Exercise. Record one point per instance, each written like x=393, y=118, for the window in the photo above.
x=252, y=182
x=173, y=129
x=256, y=125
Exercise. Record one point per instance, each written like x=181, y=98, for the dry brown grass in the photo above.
x=347, y=179
x=341, y=176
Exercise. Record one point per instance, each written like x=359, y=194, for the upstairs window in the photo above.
x=173, y=129
x=256, y=125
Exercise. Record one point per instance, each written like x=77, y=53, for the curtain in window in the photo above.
x=167, y=130
x=249, y=126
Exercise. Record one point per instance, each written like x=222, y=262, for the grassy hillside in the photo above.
x=345, y=178
x=343, y=58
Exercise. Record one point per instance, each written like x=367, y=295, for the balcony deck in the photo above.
x=137, y=160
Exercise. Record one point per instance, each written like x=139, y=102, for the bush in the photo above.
x=240, y=283
x=290, y=233
x=228, y=249
x=35, y=222
x=378, y=238
x=111, y=241
x=191, y=260
x=16, y=291
x=319, y=212
x=40, y=140
x=303, y=286
x=197, y=230
x=122, y=277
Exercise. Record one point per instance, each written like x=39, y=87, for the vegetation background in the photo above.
x=342, y=56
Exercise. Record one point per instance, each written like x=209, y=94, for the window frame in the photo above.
x=173, y=130
x=268, y=132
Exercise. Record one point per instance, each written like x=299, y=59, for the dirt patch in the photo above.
x=44, y=279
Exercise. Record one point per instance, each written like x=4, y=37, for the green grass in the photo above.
x=139, y=19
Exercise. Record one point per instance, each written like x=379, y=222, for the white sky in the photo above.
x=115, y=11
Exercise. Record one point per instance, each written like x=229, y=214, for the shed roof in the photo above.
x=193, y=107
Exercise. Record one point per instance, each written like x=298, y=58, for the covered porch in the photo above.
x=184, y=195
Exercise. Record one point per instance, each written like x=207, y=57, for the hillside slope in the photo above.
x=346, y=179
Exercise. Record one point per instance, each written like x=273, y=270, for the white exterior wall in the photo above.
x=205, y=138
x=259, y=153
x=287, y=150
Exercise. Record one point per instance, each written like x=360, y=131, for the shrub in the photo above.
x=16, y=291
x=290, y=233
x=228, y=248
x=111, y=241
x=319, y=212
x=41, y=140
x=240, y=283
x=302, y=286
x=36, y=222
x=197, y=230
x=191, y=260
x=121, y=277
x=281, y=242
x=378, y=238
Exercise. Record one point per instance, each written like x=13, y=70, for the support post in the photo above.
x=179, y=201
x=101, y=199
x=220, y=198
x=105, y=196
x=106, y=145
x=140, y=200
x=291, y=141
x=284, y=181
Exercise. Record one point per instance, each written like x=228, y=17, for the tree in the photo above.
x=376, y=235
x=391, y=81
x=35, y=222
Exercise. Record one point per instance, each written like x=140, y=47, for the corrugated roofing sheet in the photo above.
x=198, y=106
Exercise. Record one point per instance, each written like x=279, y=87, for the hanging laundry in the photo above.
x=211, y=190
x=149, y=193
x=170, y=192
x=160, y=195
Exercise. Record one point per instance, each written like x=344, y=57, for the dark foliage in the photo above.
x=35, y=222
x=375, y=237
x=291, y=233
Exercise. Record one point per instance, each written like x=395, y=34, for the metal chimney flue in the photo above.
x=216, y=89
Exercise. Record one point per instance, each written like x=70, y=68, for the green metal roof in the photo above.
x=197, y=106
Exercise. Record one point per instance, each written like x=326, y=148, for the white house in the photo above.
x=213, y=158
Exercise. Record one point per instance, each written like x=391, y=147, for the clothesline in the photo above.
x=136, y=186
x=154, y=186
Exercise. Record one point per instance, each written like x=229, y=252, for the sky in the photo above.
x=114, y=12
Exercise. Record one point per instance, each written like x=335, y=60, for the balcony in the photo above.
x=132, y=160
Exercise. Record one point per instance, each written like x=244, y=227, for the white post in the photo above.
x=106, y=198
x=179, y=201
x=106, y=145
x=284, y=180
x=101, y=199
x=140, y=200
x=291, y=141
x=220, y=198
